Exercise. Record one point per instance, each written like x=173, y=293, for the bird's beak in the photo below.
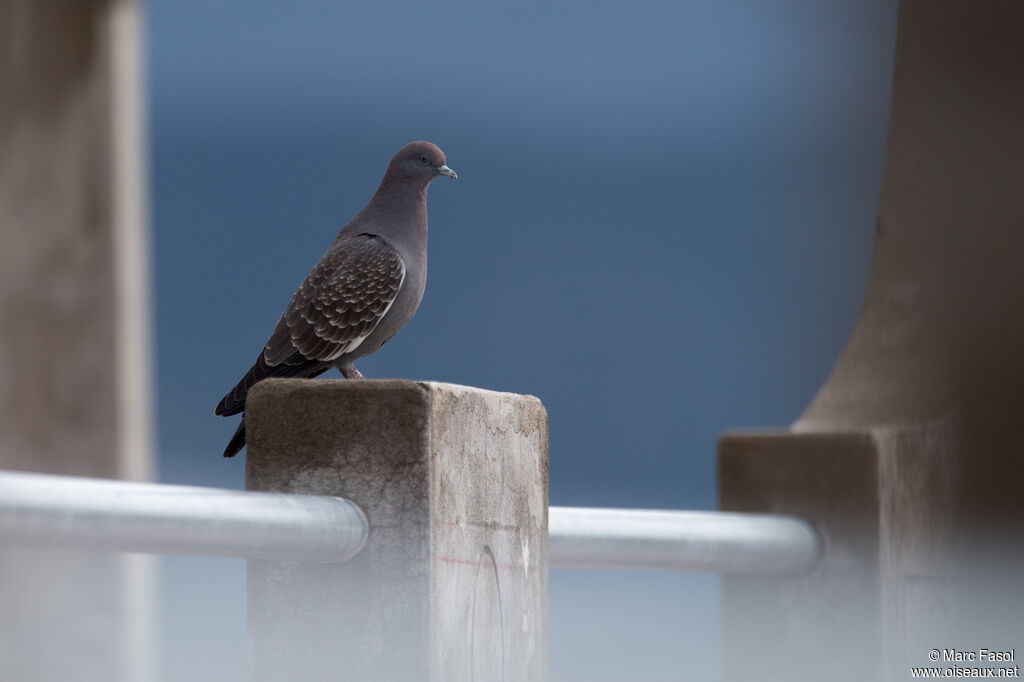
x=445, y=170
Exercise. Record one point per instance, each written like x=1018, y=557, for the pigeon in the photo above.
x=361, y=291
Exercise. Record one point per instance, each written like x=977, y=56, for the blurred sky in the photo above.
x=662, y=227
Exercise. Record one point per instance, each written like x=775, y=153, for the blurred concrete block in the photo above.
x=908, y=458
x=866, y=611
x=74, y=336
x=452, y=584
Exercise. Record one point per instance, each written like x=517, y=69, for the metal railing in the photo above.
x=96, y=514
x=583, y=537
x=70, y=512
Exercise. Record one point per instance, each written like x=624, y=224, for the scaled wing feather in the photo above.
x=341, y=301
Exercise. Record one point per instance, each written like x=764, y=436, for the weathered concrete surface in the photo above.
x=909, y=456
x=74, y=381
x=452, y=584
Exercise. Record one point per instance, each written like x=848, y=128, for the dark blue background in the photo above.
x=661, y=227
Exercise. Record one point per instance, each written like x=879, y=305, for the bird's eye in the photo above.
x=423, y=158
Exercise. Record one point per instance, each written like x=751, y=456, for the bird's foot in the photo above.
x=351, y=372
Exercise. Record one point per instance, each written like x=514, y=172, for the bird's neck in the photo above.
x=399, y=192
x=399, y=208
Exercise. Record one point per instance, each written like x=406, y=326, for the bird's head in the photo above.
x=420, y=160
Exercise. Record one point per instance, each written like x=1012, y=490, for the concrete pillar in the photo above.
x=876, y=603
x=74, y=380
x=452, y=584
x=909, y=457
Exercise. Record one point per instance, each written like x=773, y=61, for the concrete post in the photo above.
x=74, y=347
x=452, y=584
x=877, y=602
x=909, y=457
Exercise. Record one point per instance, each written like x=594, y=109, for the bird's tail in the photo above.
x=237, y=441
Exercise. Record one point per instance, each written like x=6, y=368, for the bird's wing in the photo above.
x=341, y=301
x=336, y=307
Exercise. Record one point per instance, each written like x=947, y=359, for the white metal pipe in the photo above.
x=96, y=514
x=680, y=540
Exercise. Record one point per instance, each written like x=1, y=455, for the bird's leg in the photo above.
x=350, y=372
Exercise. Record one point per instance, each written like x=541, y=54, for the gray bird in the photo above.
x=361, y=291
